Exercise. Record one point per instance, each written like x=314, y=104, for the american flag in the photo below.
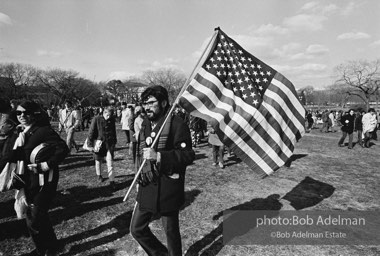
x=254, y=109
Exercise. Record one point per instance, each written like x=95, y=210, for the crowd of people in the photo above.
x=162, y=161
x=365, y=124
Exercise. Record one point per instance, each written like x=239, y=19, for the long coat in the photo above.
x=168, y=194
x=348, y=123
x=34, y=137
x=104, y=130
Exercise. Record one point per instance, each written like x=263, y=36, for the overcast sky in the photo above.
x=104, y=39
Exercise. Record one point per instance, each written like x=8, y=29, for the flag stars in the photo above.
x=244, y=96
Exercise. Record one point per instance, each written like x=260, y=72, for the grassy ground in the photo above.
x=92, y=219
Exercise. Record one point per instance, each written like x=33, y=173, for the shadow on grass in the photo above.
x=294, y=158
x=121, y=223
x=212, y=243
x=232, y=160
x=308, y=192
x=75, y=158
x=200, y=156
x=121, y=148
x=71, y=204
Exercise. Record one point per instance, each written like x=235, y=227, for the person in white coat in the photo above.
x=69, y=120
x=369, y=124
x=126, y=121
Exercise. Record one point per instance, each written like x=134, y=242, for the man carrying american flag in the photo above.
x=254, y=109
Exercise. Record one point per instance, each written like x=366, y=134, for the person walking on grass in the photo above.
x=39, y=179
x=359, y=127
x=103, y=128
x=348, y=122
x=69, y=120
x=126, y=119
x=217, y=147
x=325, y=119
x=161, y=188
x=369, y=124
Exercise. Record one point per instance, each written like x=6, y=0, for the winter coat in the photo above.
x=168, y=193
x=348, y=123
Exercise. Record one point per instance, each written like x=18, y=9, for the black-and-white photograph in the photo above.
x=189, y=128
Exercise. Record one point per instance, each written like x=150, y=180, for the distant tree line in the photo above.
x=54, y=86
x=356, y=81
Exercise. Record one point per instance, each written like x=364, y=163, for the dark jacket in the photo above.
x=358, y=123
x=34, y=137
x=348, y=123
x=168, y=194
x=104, y=130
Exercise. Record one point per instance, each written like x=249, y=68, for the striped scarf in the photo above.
x=147, y=136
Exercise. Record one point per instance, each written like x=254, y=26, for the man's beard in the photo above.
x=152, y=116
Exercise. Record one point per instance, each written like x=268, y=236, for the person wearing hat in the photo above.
x=39, y=172
x=161, y=182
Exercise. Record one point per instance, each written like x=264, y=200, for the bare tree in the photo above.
x=308, y=94
x=115, y=89
x=134, y=86
x=171, y=79
x=22, y=75
x=66, y=85
x=359, y=78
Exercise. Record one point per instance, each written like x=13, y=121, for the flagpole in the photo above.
x=169, y=113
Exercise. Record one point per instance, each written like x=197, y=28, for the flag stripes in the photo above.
x=253, y=108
